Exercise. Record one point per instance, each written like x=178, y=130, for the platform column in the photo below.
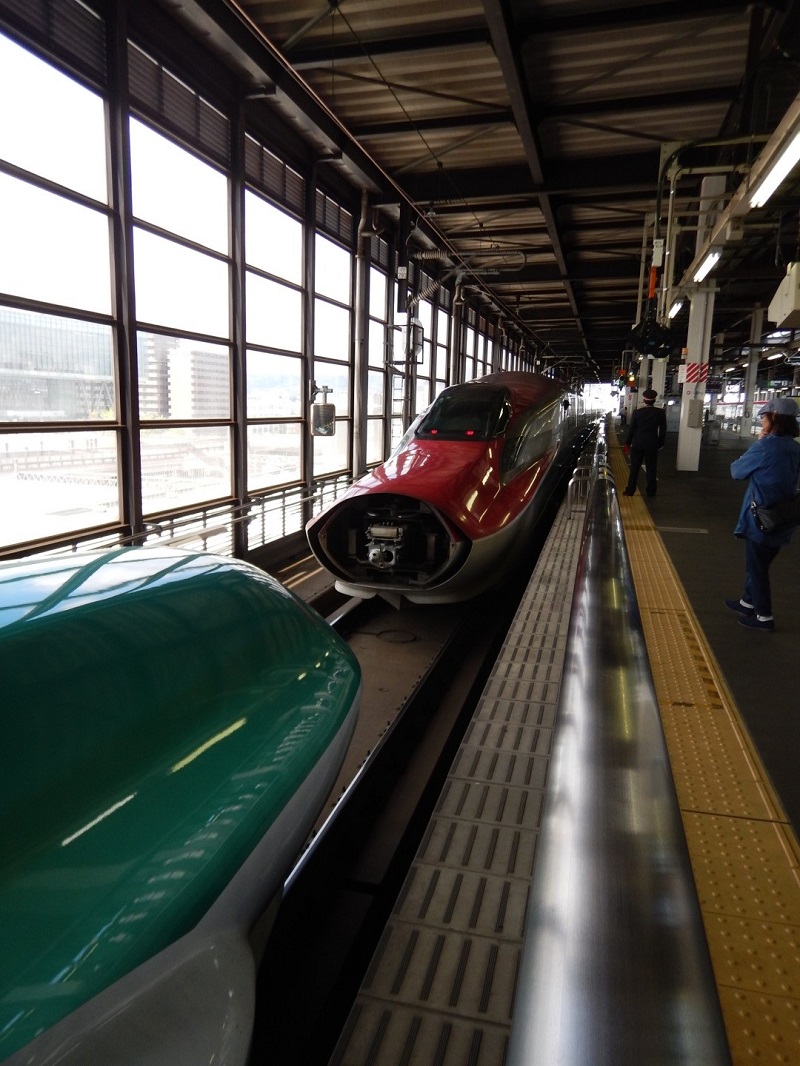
x=658, y=375
x=698, y=341
x=756, y=326
x=701, y=312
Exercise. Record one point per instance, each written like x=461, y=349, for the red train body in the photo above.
x=450, y=512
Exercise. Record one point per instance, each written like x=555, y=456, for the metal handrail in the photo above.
x=615, y=968
x=593, y=463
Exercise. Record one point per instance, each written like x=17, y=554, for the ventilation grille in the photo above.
x=333, y=219
x=270, y=175
x=65, y=30
x=160, y=96
x=379, y=252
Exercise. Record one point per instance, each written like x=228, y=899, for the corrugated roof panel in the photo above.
x=369, y=19
x=617, y=133
x=585, y=67
x=586, y=83
x=388, y=89
x=454, y=149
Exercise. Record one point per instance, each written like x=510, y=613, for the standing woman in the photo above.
x=773, y=466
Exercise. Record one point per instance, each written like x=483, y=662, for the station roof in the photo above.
x=547, y=146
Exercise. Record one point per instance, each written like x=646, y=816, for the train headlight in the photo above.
x=376, y=532
x=382, y=557
x=383, y=545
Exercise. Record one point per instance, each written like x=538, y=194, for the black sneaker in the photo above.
x=739, y=607
x=752, y=622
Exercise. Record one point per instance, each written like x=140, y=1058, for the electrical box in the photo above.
x=734, y=229
x=694, y=414
x=784, y=308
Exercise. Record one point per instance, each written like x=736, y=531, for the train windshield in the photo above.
x=471, y=412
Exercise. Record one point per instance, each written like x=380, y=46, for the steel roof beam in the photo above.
x=599, y=176
x=630, y=105
x=606, y=18
x=511, y=66
x=494, y=117
x=325, y=53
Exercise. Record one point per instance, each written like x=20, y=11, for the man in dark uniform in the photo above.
x=646, y=434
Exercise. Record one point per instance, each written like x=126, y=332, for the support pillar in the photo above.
x=698, y=341
x=658, y=377
x=756, y=326
x=701, y=313
x=360, y=353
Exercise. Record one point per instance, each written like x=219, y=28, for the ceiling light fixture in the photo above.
x=675, y=307
x=780, y=169
x=708, y=264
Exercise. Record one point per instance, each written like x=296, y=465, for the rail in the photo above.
x=615, y=966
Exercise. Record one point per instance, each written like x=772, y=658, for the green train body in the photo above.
x=173, y=723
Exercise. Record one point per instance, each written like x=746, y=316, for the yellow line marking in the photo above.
x=744, y=852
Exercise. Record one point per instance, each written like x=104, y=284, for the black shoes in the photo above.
x=751, y=621
x=739, y=607
x=748, y=617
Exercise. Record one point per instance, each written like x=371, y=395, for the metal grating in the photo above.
x=440, y=988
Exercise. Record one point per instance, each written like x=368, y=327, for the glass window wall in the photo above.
x=274, y=327
x=58, y=482
x=64, y=348
x=183, y=466
x=332, y=364
x=169, y=184
x=42, y=110
x=53, y=249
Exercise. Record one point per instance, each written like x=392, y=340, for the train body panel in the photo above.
x=451, y=510
x=173, y=722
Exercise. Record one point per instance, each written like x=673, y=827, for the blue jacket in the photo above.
x=773, y=466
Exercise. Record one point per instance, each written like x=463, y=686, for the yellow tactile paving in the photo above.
x=745, y=855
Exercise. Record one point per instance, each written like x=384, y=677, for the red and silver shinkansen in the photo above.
x=451, y=511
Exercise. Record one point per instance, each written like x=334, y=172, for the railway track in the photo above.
x=340, y=894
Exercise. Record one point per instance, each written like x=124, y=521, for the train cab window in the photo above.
x=472, y=412
x=529, y=436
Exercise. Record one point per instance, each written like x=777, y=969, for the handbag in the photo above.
x=785, y=514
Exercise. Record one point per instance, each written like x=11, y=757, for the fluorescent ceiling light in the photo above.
x=778, y=356
x=675, y=308
x=708, y=264
x=777, y=172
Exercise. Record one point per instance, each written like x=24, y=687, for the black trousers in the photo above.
x=650, y=460
x=757, y=560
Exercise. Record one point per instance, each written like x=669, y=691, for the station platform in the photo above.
x=441, y=985
x=694, y=514
x=728, y=699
